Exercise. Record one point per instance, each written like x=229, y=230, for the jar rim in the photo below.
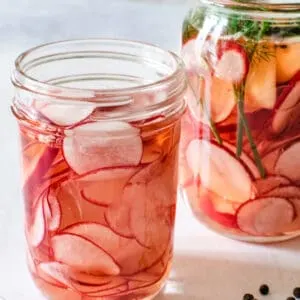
x=22, y=80
x=259, y=5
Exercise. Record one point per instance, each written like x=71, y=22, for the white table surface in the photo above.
x=206, y=266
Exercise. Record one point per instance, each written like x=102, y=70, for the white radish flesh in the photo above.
x=288, y=163
x=52, y=211
x=66, y=115
x=233, y=65
x=265, y=216
x=37, y=229
x=82, y=254
x=99, y=145
x=219, y=171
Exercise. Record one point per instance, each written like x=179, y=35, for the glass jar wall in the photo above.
x=240, y=151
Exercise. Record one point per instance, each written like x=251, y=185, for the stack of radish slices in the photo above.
x=102, y=226
x=230, y=192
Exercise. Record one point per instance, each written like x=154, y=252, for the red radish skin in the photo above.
x=74, y=207
x=105, y=187
x=269, y=161
x=233, y=62
x=288, y=112
x=86, y=256
x=224, y=219
x=115, y=291
x=288, y=163
x=285, y=192
x=213, y=164
x=86, y=147
x=265, y=216
x=247, y=161
x=66, y=115
x=295, y=226
x=269, y=183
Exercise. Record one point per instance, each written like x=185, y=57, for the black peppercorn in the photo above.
x=296, y=292
x=264, y=290
x=248, y=297
x=290, y=298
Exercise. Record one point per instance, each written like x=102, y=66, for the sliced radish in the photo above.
x=52, y=211
x=268, y=184
x=66, y=115
x=149, y=228
x=260, y=89
x=265, y=216
x=55, y=273
x=295, y=226
x=52, y=291
x=82, y=254
x=208, y=209
x=219, y=98
x=248, y=162
x=30, y=261
x=285, y=192
x=109, y=292
x=118, y=217
x=233, y=62
x=106, y=186
x=288, y=163
x=269, y=161
x=37, y=229
x=287, y=61
x=74, y=207
x=288, y=112
x=125, y=251
x=102, y=144
x=219, y=170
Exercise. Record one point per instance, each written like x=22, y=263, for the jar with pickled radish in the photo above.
x=100, y=125
x=240, y=151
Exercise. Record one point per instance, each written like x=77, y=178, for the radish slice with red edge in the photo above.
x=288, y=163
x=265, y=216
x=99, y=145
x=37, y=229
x=67, y=114
x=80, y=253
x=61, y=293
x=233, y=63
x=285, y=192
x=54, y=272
x=146, y=219
x=52, y=211
x=219, y=171
x=295, y=226
x=288, y=111
x=268, y=184
x=248, y=162
x=105, y=186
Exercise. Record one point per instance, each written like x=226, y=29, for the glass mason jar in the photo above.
x=100, y=125
x=240, y=152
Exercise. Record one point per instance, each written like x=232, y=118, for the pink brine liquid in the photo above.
x=100, y=201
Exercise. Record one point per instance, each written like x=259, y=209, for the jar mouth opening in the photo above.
x=66, y=70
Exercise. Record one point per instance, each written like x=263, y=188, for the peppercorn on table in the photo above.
x=206, y=266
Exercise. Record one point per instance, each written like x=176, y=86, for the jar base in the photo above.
x=231, y=233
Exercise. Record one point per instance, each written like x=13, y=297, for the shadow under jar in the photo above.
x=100, y=125
x=240, y=152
